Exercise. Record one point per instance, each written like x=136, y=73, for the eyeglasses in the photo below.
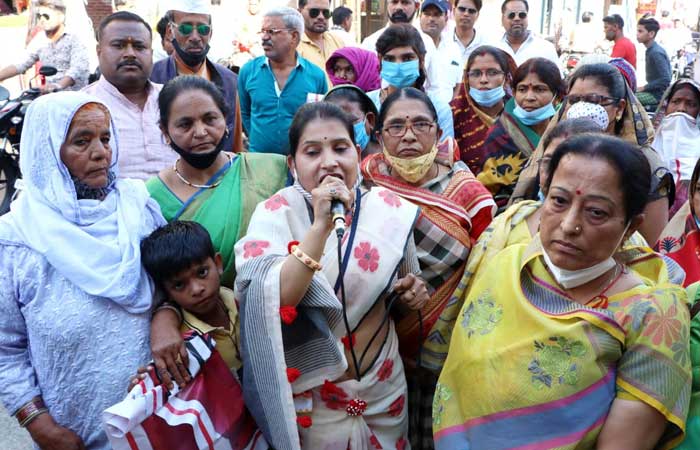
x=314, y=12
x=43, y=16
x=187, y=28
x=399, y=129
x=490, y=73
x=464, y=9
x=272, y=31
x=601, y=100
x=521, y=15
x=543, y=162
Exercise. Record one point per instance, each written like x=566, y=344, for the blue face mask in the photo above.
x=400, y=75
x=534, y=116
x=361, y=137
x=489, y=97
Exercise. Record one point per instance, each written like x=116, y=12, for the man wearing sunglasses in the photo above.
x=56, y=48
x=317, y=43
x=466, y=12
x=190, y=27
x=519, y=42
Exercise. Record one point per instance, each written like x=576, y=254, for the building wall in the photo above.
x=98, y=10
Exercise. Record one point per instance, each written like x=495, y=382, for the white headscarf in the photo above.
x=94, y=244
x=677, y=141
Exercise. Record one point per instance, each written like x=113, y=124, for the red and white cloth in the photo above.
x=209, y=413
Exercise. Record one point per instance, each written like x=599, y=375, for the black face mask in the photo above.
x=199, y=161
x=188, y=58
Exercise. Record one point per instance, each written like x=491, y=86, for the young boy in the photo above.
x=180, y=258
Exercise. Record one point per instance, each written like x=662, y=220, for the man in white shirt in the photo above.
x=518, y=41
x=433, y=20
x=465, y=36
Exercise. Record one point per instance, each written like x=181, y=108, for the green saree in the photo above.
x=225, y=211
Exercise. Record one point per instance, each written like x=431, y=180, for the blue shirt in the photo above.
x=267, y=115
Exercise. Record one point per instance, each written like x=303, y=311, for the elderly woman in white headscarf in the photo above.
x=74, y=297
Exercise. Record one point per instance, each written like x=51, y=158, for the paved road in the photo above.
x=12, y=437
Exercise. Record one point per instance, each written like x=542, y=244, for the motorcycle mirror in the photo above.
x=48, y=71
x=4, y=94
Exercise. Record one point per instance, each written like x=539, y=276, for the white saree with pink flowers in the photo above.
x=292, y=356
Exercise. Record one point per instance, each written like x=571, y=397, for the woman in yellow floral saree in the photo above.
x=568, y=342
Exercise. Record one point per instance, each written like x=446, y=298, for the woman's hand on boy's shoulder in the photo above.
x=168, y=348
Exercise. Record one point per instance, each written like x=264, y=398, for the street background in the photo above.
x=547, y=17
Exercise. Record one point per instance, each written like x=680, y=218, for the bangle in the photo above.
x=305, y=259
x=30, y=411
x=173, y=307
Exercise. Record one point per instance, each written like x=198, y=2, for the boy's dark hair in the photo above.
x=175, y=247
x=650, y=24
x=340, y=14
x=161, y=27
x=477, y=3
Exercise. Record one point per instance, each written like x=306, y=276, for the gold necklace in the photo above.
x=198, y=186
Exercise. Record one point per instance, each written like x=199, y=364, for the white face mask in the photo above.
x=570, y=279
x=574, y=278
x=676, y=142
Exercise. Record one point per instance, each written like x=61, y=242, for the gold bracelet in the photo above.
x=305, y=259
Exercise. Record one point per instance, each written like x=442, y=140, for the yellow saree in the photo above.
x=530, y=368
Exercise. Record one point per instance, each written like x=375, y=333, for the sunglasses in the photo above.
x=464, y=9
x=272, y=31
x=314, y=12
x=187, y=28
x=43, y=16
x=521, y=15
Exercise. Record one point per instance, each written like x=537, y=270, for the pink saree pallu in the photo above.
x=209, y=413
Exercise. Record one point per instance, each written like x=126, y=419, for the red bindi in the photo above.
x=578, y=192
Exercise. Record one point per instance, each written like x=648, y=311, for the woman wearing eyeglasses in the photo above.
x=455, y=209
x=401, y=54
x=601, y=86
x=479, y=101
x=515, y=135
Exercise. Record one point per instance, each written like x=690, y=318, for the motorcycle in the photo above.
x=12, y=114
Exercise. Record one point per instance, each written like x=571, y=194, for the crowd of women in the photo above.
x=518, y=269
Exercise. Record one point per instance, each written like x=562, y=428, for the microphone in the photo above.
x=338, y=217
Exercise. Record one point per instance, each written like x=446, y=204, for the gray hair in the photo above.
x=291, y=17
